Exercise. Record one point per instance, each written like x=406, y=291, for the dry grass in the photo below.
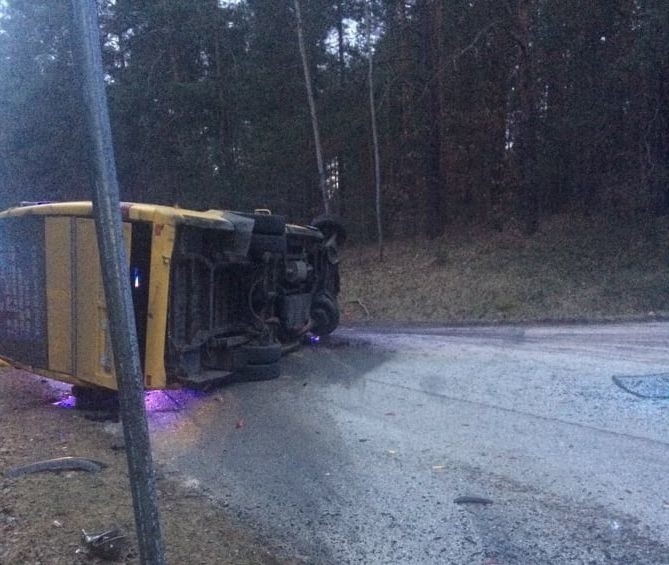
x=569, y=270
x=41, y=516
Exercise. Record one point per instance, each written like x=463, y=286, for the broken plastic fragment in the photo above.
x=107, y=545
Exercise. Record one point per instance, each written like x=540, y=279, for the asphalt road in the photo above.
x=357, y=453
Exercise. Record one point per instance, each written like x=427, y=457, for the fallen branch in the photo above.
x=361, y=304
x=56, y=465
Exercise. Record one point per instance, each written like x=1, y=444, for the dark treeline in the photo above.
x=489, y=112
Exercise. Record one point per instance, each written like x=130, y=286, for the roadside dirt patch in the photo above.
x=572, y=269
x=42, y=515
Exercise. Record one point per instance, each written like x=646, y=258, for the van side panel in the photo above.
x=59, y=233
x=94, y=361
x=23, y=327
x=162, y=248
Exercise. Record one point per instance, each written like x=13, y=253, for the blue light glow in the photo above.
x=67, y=401
x=170, y=400
x=136, y=277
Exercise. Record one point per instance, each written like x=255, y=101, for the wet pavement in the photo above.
x=357, y=453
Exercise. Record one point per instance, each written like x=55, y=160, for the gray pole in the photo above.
x=116, y=279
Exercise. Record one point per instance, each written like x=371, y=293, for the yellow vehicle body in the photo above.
x=77, y=333
x=53, y=318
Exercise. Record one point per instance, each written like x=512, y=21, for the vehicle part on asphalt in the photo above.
x=264, y=372
x=472, y=500
x=654, y=386
x=56, y=465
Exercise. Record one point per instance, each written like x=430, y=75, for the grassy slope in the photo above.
x=569, y=270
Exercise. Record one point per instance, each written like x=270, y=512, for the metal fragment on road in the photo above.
x=472, y=500
x=654, y=386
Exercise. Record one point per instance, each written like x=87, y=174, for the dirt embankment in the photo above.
x=570, y=270
x=42, y=515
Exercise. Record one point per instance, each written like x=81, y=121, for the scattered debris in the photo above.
x=176, y=403
x=191, y=483
x=654, y=386
x=56, y=465
x=389, y=414
x=438, y=467
x=108, y=545
x=360, y=303
x=472, y=500
x=117, y=445
x=240, y=423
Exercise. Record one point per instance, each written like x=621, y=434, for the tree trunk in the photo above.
x=375, y=139
x=224, y=145
x=340, y=42
x=526, y=127
x=433, y=22
x=342, y=152
x=312, y=107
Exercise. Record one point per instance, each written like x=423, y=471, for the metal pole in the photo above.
x=116, y=279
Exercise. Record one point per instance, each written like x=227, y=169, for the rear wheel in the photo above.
x=329, y=226
x=324, y=315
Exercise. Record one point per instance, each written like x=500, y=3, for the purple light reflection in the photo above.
x=169, y=400
x=68, y=401
x=314, y=339
x=154, y=400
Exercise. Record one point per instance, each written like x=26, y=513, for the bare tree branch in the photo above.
x=474, y=41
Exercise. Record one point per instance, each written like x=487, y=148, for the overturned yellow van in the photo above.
x=217, y=295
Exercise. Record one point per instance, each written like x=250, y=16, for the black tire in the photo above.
x=260, y=372
x=94, y=398
x=262, y=354
x=261, y=243
x=324, y=315
x=267, y=224
x=330, y=225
